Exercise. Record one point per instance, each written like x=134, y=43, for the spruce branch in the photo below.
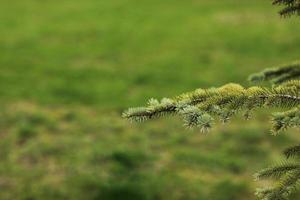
x=153, y=110
x=197, y=107
x=286, y=86
x=289, y=182
x=289, y=119
x=290, y=7
x=279, y=74
x=292, y=151
x=276, y=171
x=288, y=175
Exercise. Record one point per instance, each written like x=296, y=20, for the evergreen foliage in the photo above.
x=201, y=107
x=290, y=7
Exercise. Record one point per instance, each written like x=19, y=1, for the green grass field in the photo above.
x=69, y=68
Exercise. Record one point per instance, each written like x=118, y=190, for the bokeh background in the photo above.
x=69, y=68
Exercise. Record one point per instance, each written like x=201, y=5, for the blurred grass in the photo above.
x=68, y=69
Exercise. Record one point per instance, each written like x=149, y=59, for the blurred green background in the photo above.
x=69, y=68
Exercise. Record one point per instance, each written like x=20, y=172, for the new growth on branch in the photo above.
x=200, y=107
